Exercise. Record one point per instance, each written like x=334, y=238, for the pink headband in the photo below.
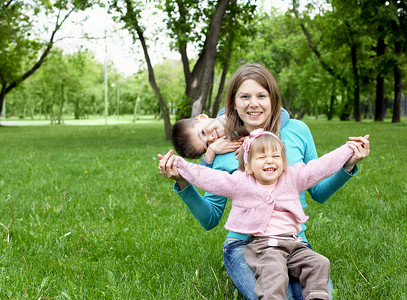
x=249, y=140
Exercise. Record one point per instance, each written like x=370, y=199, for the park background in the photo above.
x=84, y=213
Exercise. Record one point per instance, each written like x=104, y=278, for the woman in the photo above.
x=252, y=102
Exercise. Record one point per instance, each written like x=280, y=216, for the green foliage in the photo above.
x=93, y=218
x=73, y=84
x=184, y=108
x=172, y=84
x=70, y=84
x=17, y=45
x=306, y=76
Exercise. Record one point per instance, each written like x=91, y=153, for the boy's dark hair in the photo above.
x=181, y=139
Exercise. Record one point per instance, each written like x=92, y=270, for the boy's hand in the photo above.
x=220, y=146
x=361, y=147
x=168, y=168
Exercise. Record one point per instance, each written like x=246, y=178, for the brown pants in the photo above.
x=273, y=259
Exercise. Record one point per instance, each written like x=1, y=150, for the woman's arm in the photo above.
x=308, y=175
x=213, y=181
x=329, y=186
x=207, y=209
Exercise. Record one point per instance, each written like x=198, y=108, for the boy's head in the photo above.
x=263, y=156
x=191, y=137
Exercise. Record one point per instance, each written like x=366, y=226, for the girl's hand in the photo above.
x=361, y=147
x=168, y=168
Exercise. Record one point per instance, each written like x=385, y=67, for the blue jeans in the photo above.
x=243, y=276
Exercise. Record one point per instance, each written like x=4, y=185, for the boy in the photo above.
x=195, y=136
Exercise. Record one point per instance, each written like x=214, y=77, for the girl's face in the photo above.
x=266, y=166
x=253, y=104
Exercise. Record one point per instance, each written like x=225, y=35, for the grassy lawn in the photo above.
x=93, y=219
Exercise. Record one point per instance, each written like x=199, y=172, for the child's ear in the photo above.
x=247, y=169
x=201, y=116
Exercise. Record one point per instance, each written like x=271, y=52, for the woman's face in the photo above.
x=253, y=104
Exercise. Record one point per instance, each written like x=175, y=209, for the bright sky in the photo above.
x=95, y=23
x=126, y=56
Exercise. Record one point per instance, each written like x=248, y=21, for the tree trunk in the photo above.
x=132, y=19
x=285, y=105
x=301, y=114
x=379, y=107
x=151, y=78
x=331, y=111
x=198, y=87
x=379, y=111
x=397, y=86
x=218, y=97
x=356, y=89
x=208, y=103
x=2, y=96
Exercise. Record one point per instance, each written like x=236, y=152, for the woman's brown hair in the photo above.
x=235, y=128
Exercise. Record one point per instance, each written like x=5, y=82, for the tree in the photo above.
x=237, y=28
x=64, y=85
x=189, y=22
x=22, y=54
x=340, y=25
x=378, y=17
x=212, y=27
x=130, y=14
x=182, y=16
x=399, y=28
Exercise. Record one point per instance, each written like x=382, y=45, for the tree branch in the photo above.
x=314, y=48
x=8, y=3
x=44, y=55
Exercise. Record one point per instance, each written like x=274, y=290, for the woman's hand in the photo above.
x=361, y=147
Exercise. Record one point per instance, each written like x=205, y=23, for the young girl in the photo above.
x=266, y=205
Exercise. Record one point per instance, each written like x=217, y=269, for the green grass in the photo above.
x=93, y=218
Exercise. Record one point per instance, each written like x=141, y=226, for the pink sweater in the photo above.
x=252, y=207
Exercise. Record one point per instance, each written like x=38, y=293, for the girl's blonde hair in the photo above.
x=235, y=128
x=263, y=144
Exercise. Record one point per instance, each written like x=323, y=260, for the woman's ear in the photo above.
x=201, y=116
